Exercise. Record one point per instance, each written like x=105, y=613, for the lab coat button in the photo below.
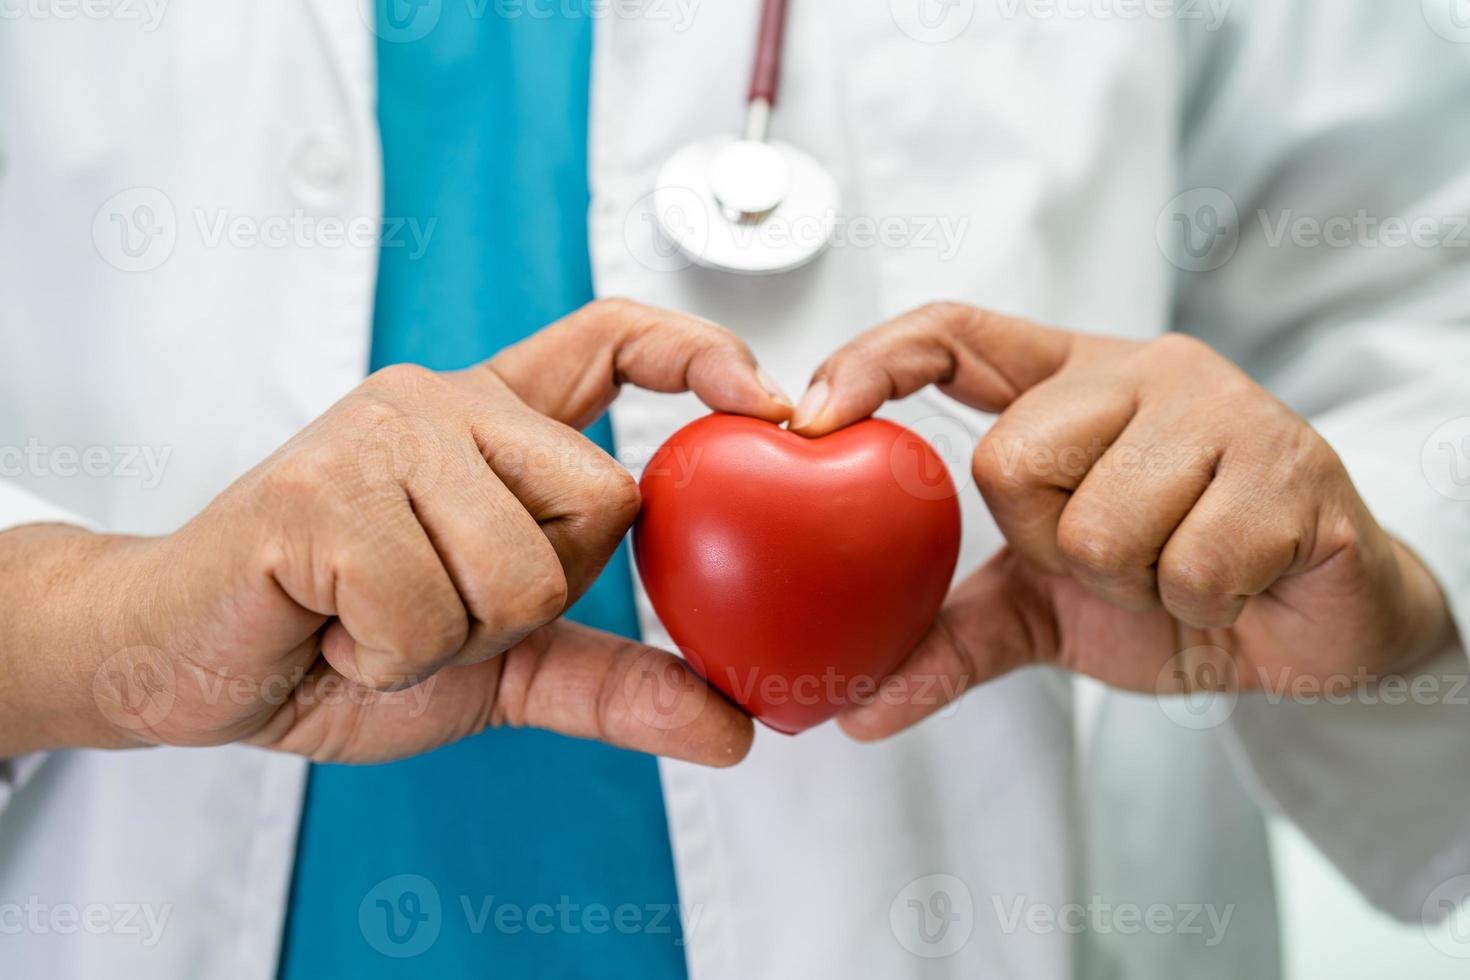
x=321, y=169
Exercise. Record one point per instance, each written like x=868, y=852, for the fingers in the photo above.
x=589, y=684
x=1235, y=543
x=399, y=616
x=984, y=359
x=522, y=510
x=997, y=620
x=1038, y=453
x=1102, y=462
x=581, y=498
x=572, y=370
x=506, y=571
x=524, y=514
x=569, y=373
x=1115, y=525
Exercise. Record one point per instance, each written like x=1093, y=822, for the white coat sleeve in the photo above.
x=1325, y=190
x=19, y=507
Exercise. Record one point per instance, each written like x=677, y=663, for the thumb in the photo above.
x=572, y=370
x=995, y=621
x=986, y=360
x=563, y=678
x=589, y=684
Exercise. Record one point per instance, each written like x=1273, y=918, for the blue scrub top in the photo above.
x=515, y=853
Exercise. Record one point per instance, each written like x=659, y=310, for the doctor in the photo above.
x=179, y=287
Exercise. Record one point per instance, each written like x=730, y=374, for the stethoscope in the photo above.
x=749, y=204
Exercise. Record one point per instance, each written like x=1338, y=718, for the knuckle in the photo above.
x=996, y=466
x=717, y=341
x=1343, y=539
x=375, y=415
x=537, y=597
x=312, y=480
x=1235, y=402
x=606, y=313
x=944, y=311
x=1312, y=455
x=612, y=714
x=1273, y=551
x=686, y=334
x=1095, y=551
x=1288, y=453
x=701, y=337
x=401, y=377
x=603, y=493
x=391, y=446
x=611, y=306
x=619, y=498
x=1315, y=446
x=427, y=623
x=1195, y=575
x=437, y=631
x=370, y=412
x=295, y=482
x=540, y=596
x=1179, y=348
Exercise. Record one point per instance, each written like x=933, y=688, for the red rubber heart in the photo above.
x=796, y=573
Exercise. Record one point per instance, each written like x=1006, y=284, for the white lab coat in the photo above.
x=1048, y=147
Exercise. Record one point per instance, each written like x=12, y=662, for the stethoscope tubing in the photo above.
x=765, y=76
x=713, y=197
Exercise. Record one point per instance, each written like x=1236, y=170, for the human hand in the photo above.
x=1168, y=522
x=391, y=579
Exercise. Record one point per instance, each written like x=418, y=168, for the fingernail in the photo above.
x=772, y=388
x=811, y=405
x=857, y=721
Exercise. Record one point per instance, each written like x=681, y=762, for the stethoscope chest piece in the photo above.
x=747, y=206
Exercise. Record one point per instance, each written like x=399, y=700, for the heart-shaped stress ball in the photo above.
x=795, y=573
